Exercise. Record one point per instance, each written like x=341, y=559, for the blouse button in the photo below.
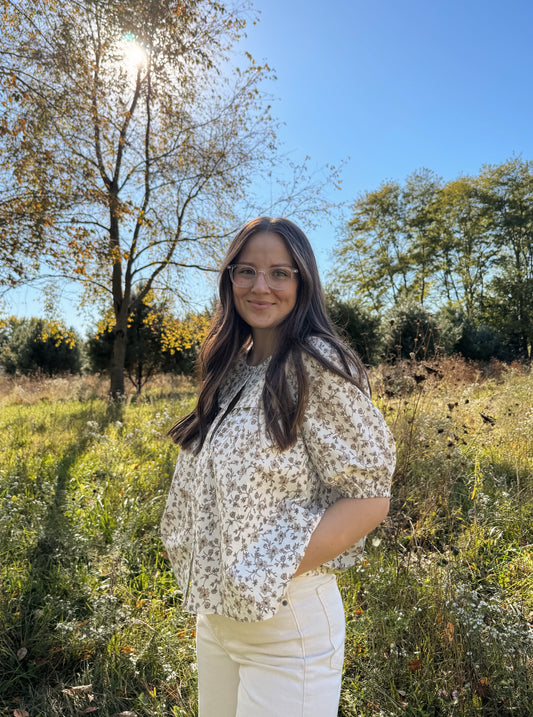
x=284, y=602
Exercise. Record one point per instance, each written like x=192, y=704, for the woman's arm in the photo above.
x=343, y=524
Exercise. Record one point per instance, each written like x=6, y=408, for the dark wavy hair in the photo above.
x=229, y=335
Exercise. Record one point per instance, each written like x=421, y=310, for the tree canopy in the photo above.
x=466, y=243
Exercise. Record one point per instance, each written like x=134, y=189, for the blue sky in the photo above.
x=391, y=86
x=396, y=85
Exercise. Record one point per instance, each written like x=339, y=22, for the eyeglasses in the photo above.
x=244, y=275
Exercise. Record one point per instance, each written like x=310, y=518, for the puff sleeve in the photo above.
x=349, y=444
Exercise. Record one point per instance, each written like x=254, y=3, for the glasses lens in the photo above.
x=279, y=278
x=245, y=276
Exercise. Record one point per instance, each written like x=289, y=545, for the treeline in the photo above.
x=156, y=342
x=462, y=251
x=424, y=268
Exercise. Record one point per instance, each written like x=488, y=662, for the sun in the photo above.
x=134, y=55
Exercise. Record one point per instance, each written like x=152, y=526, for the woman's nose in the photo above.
x=260, y=283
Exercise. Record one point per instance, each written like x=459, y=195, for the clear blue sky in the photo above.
x=394, y=85
x=397, y=85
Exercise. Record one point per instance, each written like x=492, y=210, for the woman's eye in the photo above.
x=281, y=273
x=245, y=271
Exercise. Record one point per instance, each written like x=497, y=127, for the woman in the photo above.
x=285, y=466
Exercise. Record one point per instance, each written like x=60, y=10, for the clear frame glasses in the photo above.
x=245, y=276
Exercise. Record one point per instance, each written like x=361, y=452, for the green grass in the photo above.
x=439, y=614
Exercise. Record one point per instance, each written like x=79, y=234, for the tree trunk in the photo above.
x=118, y=358
x=120, y=302
x=139, y=377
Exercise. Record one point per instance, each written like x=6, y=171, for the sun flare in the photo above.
x=133, y=53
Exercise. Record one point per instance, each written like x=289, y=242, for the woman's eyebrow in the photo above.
x=251, y=263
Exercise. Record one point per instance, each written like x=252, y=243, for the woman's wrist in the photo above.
x=343, y=524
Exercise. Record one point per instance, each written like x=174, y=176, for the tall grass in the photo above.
x=439, y=614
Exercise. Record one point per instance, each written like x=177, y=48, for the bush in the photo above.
x=470, y=338
x=411, y=332
x=360, y=327
x=36, y=345
x=155, y=343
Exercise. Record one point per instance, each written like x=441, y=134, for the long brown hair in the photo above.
x=229, y=335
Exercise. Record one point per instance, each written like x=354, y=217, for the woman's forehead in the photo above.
x=265, y=247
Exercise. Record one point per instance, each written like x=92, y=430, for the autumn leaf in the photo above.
x=415, y=665
x=449, y=631
x=482, y=687
x=21, y=654
x=20, y=713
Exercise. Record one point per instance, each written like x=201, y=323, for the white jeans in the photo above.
x=287, y=666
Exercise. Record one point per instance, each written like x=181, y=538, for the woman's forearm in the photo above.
x=343, y=524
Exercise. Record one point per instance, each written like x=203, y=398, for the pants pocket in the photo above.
x=333, y=607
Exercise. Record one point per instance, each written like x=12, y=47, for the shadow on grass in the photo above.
x=38, y=658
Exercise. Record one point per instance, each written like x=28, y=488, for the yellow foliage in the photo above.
x=106, y=322
x=52, y=329
x=182, y=334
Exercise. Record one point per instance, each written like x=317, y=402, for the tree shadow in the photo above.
x=50, y=591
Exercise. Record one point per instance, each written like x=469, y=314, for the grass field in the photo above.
x=439, y=614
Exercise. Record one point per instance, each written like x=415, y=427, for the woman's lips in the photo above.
x=260, y=304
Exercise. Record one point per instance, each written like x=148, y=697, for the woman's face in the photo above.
x=260, y=306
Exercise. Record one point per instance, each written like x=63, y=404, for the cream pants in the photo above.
x=287, y=666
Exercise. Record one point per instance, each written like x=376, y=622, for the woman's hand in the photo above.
x=343, y=524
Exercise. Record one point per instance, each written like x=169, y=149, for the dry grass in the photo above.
x=26, y=390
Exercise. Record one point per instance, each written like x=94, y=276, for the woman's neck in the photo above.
x=264, y=344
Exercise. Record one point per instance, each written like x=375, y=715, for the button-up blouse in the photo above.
x=240, y=513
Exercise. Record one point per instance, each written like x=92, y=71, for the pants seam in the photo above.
x=327, y=614
x=304, y=661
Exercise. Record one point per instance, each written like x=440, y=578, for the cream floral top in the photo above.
x=239, y=514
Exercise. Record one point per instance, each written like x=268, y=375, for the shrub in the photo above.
x=36, y=345
x=411, y=332
x=471, y=338
x=155, y=343
x=360, y=327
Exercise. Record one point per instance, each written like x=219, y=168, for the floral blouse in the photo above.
x=240, y=514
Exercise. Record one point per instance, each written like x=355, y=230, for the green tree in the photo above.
x=386, y=250
x=463, y=243
x=126, y=157
x=509, y=305
x=467, y=243
x=419, y=195
x=373, y=254
x=35, y=345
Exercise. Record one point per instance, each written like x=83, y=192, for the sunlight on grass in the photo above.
x=439, y=614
